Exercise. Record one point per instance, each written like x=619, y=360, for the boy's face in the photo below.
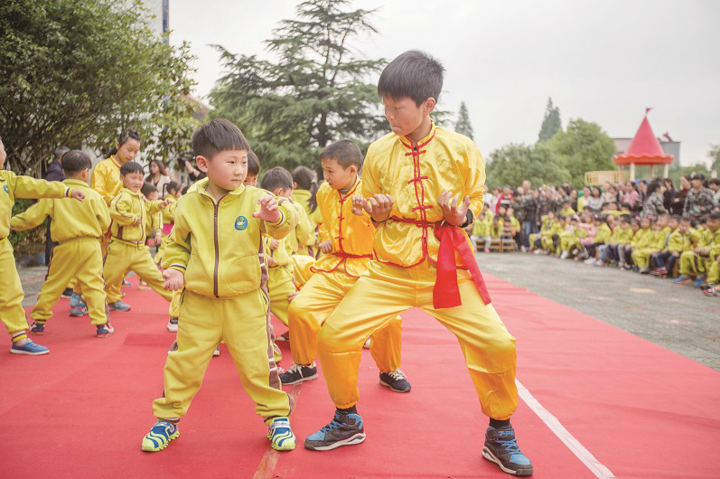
x=250, y=180
x=684, y=226
x=510, y=212
x=404, y=115
x=624, y=225
x=644, y=223
x=337, y=177
x=152, y=196
x=673, y=223
x=226, y=170
x=133, y=181
x=713, y=224
x=662, y=221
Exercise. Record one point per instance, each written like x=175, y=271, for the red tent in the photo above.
x=644, y=149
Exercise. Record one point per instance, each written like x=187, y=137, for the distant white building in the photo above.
x=158, y=15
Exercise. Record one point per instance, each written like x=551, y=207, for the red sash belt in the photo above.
x=446, y=293
x=344, y=255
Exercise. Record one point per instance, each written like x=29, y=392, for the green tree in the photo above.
x=714, y=155
x=513, y=163
x=463, y=125
x=78, y=72
x=551, y=123
x=316, y=91
x=582, y=147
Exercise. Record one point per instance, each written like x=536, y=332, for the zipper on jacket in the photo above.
x=217, y=248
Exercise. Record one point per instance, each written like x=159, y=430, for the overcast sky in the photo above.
x=600, y=61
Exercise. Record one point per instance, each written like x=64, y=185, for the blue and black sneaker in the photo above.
x=118, y=306
x=67, y=293
x=698, y=282
x=396, y=381
x=160, y=436
x=75, y=300
x=29, y=348
x=502, y=449
x=343, y=430
x=38, y=328
x=298, y=373
x=104, y=330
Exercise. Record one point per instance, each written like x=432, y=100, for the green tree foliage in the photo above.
x=463, y=125
x=714, y=155
x=513, y=163
x=78, y=72
x=551, y=123
x=316, y=91
x=582, y=147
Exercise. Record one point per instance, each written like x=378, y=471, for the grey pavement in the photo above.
x=679, y=318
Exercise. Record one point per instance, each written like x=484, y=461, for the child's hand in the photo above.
x=268, y=209
x=135, y=222
x=270, y=261
x=174, y=280
x=158, y=239
x=77, y=194
x=378, y=206
x=164, y=204
x=454, y=212
x=274, y=244
x=360, y=204
x=292, y=295
x=676, y=254
x=326, y=246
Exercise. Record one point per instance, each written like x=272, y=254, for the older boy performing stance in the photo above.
x=346, y=240
x=215, y=253
x=421, y=184
x=78, y=229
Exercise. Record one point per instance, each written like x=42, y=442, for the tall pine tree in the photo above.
x=463, y=125
x=551, y=123
x=314, y=92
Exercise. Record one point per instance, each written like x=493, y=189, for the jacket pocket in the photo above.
x=242, y=276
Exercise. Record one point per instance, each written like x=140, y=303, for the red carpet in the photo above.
x=641, y=410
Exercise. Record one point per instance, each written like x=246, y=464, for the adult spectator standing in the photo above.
x=679, y=199
x=715, y=186
x=505, y=199
x=596, y=200
x=158, y=177
x=669, y=195
x=630, y=195
x=698, y=201
x=54, y=173
x=654, y=205
x=193, y=173
x=525, y=213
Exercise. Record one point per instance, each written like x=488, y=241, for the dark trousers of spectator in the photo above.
x=591, y=249
x=528, y=228
x=664, y=260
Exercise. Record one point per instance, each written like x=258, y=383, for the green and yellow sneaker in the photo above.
x=281, y=435
x=160, y=436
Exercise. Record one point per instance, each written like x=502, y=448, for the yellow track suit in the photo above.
x=127, y=250
x=168, y=219
x=218, y=246
x=334, y=275
x=77, y=227
x=570, y=239
x=404, y=271
x=556, y=228
x=695, y=264
x=12, y=186
x=653, y=242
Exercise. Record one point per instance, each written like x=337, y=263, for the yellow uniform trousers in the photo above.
x=547, y=244
x=692, y=265
x=123, y=257
x=385, y=291
x=301, y=269
x=12, y=313
x=242, y=322
x=312, y=306
x=175, y=304
x=280, y=285
x=81, y=259
x=641, y=257
x=713, y=277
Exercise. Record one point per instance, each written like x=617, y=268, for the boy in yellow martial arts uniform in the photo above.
x=694, y=264
x=279, y=182
x=12, y=313
x=346, y=242
x=214, y=254
x=421, y=184
x=127, y=251
x=77, y=228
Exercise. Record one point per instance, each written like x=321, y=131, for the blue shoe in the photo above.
x=396, y=381
x=79, y=311
x=67, y=293
x=104, y=330
x=679, y=279
x=126, y=283
x=38, y=328
x=118, y=306
x=281, y=435
x=75, y=300
x=502, y=449
x=343, y=430
x=698, y=282
x=29, y=348
x=160, y=436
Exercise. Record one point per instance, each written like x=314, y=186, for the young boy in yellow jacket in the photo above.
x=78, y=229
x=127, y=250
x=695, y=264
x=421, y=184
x=215, y=253
x=12, y=313
x=346, y=242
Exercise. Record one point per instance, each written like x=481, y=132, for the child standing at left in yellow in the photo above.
x=153, y=228
x=172, y=193
x=279, y=182
x=12, y=313
x=77, y=229
x=127, y=250
x=214, y=254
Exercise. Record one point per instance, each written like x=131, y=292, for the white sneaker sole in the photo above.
x=173, y=328
x=487, y=454
x=27, y=353
x=352, y=441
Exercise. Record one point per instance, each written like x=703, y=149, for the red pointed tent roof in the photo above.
x=644, y=149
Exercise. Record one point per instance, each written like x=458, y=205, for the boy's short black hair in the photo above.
x=74, y=161
x=685, y=219
x=715, y=216
x=275, y=178
x=626, y=219
x=345, y=152
x=148, y=188
x=216, y=136
x=131, y=167
x=253, y=164
x=413, y=74
x=699, y=176
x=675, y=217
x=60, y=151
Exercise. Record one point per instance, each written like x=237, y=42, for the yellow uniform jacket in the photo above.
x=483, y=227
x=711, y=241
x=302, y=197
x=217, y=244
x=131, y=215
x=71, y=219
x=680, y=242
x=642, y=238
x=621, y=235
x=13, y=186
x=169, y=211
x=603, y=234
x=415, y=176
x=351, y=235
x=106, y=179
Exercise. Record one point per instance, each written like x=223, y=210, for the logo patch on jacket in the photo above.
x=241, y=223
x=5, y=188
